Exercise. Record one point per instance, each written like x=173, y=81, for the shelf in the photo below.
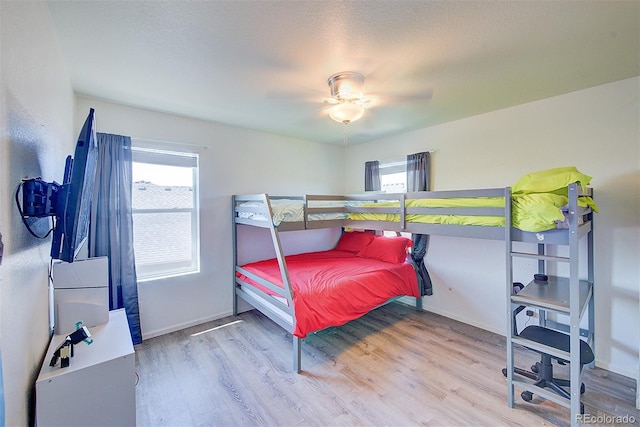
x=567, y=296
x=550, y=237
x=553, y=295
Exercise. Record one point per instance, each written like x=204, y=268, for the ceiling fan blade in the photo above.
x=381, y=74
x=405, y=99
x=297, y=93
x=312, y=117
x=293, y=96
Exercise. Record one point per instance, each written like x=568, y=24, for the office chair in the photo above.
x=542, y=371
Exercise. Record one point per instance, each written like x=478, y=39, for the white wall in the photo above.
x=595, y=130
x=36, y=118
x=232, y=161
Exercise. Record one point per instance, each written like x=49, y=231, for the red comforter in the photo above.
x=333, y=287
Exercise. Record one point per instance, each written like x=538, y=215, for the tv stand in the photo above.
x=98, y=386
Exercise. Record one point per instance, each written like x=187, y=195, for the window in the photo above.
x=393, y=179
x=165, y=213
x=393, y=176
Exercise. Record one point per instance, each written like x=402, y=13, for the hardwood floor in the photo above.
x=393, y=367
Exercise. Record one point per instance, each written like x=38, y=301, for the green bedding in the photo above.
x=538, y=197
x=537, y=203
x=554, y=180
x=489, y=202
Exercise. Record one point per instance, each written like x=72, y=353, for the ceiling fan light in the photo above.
x=346, y=86
x=346, y=112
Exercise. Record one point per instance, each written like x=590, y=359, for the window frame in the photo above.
x=171, y=156
x=391, y=167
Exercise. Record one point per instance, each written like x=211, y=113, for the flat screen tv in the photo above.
x=74, y=200
x=69, y=203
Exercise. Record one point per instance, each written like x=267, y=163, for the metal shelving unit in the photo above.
x=569, y=296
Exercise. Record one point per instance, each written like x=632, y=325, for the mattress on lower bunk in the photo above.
x=331, y=288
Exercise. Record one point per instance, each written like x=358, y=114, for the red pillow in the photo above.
x=388, y=249
x=354, y=241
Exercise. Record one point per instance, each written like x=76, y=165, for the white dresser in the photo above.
x=98, y=387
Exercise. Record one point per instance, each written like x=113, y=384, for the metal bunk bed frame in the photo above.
x=580, y=292
x=282, y=311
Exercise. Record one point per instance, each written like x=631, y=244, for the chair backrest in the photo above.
x=517, y=287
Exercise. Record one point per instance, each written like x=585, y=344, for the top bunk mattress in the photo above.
x=529, y=212
x=539, y=202
x=291, y=210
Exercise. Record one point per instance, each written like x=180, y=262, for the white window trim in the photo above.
x=391, y=167
x=143, y=152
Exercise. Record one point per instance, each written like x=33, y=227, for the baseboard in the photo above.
x=158, y=332
x=464, y=320
x=616, y=370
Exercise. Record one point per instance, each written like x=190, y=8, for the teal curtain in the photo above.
x=112, y=225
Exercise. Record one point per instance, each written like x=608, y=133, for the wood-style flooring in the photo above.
x=393, y=367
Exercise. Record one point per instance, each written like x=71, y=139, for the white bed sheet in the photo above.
x=289, y=210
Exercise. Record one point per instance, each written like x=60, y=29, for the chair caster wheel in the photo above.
x=527, y=396
x=535, y=369
x=504, y=371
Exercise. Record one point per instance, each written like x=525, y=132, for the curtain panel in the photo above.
x=111, y=232
x=418, y=179
x=419, y=172
x=372, y=176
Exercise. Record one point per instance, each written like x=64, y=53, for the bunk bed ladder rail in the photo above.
x=509, y=282
x=234, y=251
x=282, y=263
x=574, y=302
x=288, y=290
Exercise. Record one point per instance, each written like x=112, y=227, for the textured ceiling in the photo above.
x=264, y=65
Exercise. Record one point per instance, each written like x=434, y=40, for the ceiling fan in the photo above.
x=347, y=100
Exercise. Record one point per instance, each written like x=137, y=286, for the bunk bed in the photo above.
x=480, y=213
